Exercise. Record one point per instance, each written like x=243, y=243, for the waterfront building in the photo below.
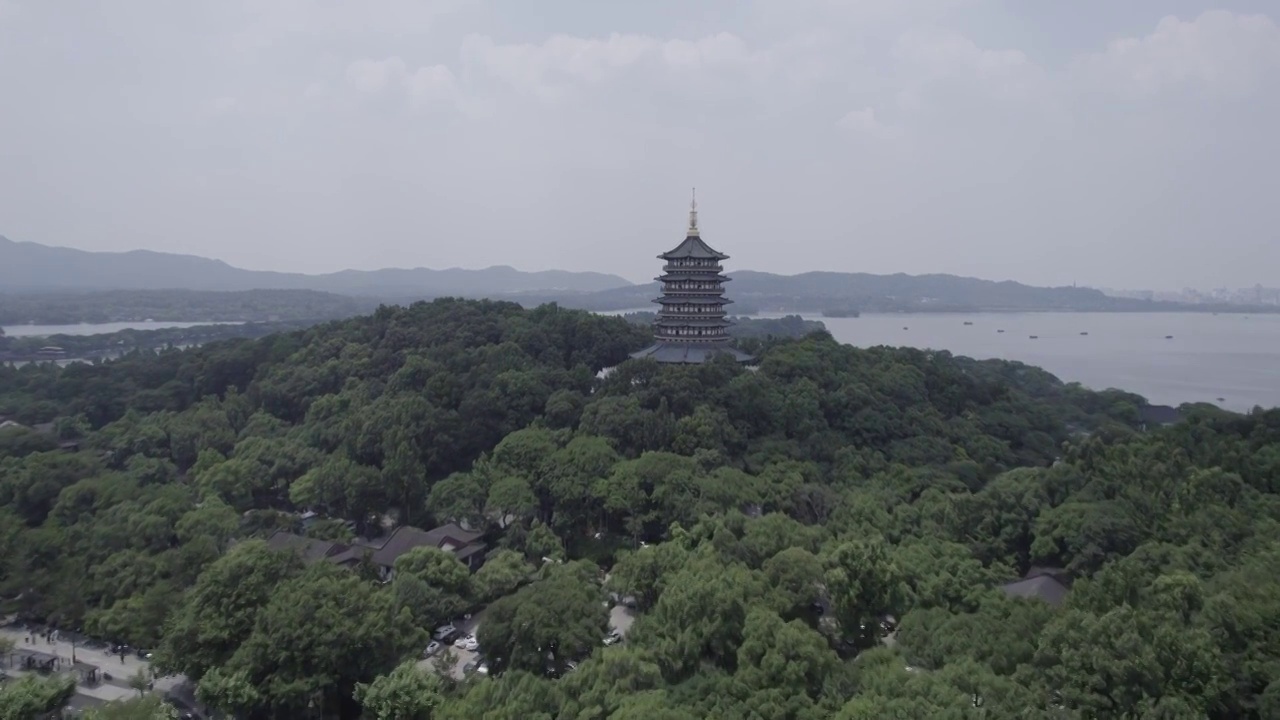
x=692, y=326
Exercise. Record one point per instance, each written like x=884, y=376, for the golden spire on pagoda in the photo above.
x=693, y=215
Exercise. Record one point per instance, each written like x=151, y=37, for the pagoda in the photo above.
x=691, y=326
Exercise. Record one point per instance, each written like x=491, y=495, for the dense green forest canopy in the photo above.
x=766, y=522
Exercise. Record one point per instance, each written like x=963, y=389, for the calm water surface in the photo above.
x=98, y=328
x=1234, y=357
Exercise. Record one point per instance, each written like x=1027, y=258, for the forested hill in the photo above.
x=29, y=267
x=830, y=535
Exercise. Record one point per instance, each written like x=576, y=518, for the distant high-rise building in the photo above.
x=692, y=326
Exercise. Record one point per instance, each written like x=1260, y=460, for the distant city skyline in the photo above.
x=1256, y=295
x=1099, y=143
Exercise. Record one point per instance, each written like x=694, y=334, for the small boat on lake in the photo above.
x=1035, y=337
x=1084, y=333
x=966, y=322
x=999, y=331
x=1168, y=337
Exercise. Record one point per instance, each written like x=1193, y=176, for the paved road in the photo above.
x=120, y=669
x=462, y=657
x=620, y=618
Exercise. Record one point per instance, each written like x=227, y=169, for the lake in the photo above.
x=99, y=328
x=1234, y=357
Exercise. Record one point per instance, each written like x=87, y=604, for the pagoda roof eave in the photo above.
x=692, y=247
x=692, y=300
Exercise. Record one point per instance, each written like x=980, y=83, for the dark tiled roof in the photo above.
x=693, y=247
x=692, y=300
x=1159, y=415
x=703, y=276
x=350, y=556
x=470, y=550
x=1040, y=587
x=691, y=353
x=309, y=549
x=1059, y=574
x=404, y=539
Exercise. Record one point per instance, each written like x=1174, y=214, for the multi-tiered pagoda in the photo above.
x=691, y=326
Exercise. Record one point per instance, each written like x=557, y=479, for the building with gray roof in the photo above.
x=692, y=326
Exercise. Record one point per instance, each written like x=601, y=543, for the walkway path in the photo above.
x=120, y=669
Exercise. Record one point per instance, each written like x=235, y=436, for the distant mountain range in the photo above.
x=848, y=293
x=164, y=285
x=29, y=268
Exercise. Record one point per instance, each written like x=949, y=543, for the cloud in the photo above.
x=429, y=84
x=423, y=86
x=373, y=76
x=1218, y=51
x=1036, y=145
x=224, y=104
x=865, y=122
x=561, y=62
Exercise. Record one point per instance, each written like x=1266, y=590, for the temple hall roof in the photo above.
x=691, y=353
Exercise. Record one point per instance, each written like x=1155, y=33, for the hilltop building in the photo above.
x=691, y=326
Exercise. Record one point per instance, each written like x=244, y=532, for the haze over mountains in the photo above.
x=30, y=267
x=33, y=269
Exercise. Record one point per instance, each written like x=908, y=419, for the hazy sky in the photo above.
x=1125, y=143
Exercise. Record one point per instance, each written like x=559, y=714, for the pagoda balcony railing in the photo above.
x=702, y=288
x=693, y=263
x=708, y=336
x=709, y=309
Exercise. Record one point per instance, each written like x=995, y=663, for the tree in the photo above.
x=542, y=542
x=546, y=625
x=220, y=612
x=431, y=584
x=406, y=693
x=33, y=697
x=1130, y=658
x=502, y=573
x=140, y=681
x=864, y=584
x=784, y=665
x=699, y=617
x=151, y=707
x=320, y=634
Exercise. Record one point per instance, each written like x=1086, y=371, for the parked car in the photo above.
x=483, y=668
x=470, y=643
x=445, y=633
x=433, y=647
x=470, y=667
x=613, y=638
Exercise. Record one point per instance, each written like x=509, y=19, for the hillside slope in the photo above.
x=31, y=267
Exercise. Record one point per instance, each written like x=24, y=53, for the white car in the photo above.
x=470, y=643
x=432, y=648
x=461, y=642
